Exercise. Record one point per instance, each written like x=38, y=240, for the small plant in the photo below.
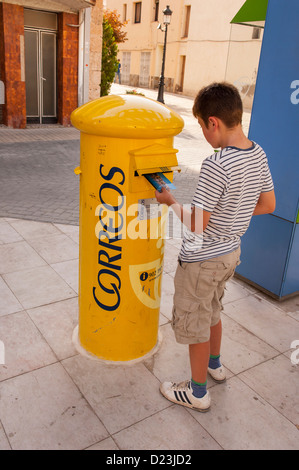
x=112, y=35
x=109, y=58
x=134, y=92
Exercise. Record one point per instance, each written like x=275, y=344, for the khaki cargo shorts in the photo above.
x=199, y=288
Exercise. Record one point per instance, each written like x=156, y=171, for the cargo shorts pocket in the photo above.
x=214, y=268
x=232, y=271
x=215, y=272
x=185, y=318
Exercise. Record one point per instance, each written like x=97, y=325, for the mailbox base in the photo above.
x=83, y=352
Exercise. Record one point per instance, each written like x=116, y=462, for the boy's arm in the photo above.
x=196, y=221
x=265, y=204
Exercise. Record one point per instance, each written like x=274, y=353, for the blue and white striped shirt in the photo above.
x=229, y=186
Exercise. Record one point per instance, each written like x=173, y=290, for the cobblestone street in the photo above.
x=37, y=181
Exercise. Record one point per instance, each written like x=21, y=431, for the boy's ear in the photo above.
x=213, y=121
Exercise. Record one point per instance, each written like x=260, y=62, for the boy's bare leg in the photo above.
x=215, y=339
x=200, y=354
x=199, y=360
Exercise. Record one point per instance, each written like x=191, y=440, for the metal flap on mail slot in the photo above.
x=155, y=158
x=160, y=169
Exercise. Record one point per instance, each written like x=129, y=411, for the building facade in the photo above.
x=202, y=45
x=50, y=59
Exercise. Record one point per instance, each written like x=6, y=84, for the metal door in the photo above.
x=145, y=69
x=40, y=70
x=125, y=67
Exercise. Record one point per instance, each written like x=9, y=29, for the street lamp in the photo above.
x=166, y=21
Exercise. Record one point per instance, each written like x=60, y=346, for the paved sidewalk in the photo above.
x=54, y=398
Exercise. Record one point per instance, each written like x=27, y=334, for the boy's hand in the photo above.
x=165, y=197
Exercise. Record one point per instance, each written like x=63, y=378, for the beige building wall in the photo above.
x=209, y=49
x=95, y=50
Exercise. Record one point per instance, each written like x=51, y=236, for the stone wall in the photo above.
x=12, y=64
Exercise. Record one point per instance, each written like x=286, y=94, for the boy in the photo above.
x=234, y=184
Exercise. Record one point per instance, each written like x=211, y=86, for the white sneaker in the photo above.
x=181, y=394
x=219, y=374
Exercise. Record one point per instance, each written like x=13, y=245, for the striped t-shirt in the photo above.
x=229, y=186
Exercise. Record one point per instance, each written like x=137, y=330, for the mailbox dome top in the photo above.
x=128, y=117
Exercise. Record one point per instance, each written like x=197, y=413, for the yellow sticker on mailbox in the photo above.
x=146, y=282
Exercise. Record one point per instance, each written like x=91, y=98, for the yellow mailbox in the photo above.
x=121, y=226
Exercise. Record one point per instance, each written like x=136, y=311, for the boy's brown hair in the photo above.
x=221, y=100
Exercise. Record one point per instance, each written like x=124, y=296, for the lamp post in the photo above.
x=166, y=21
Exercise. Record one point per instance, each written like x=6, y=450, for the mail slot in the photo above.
x=123, y=139
x=156, y=158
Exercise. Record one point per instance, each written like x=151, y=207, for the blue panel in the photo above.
x=264, y=250
x=275, y=114
x=291, y=283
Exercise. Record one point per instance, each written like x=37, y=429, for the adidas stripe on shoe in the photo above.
x=181, y=394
